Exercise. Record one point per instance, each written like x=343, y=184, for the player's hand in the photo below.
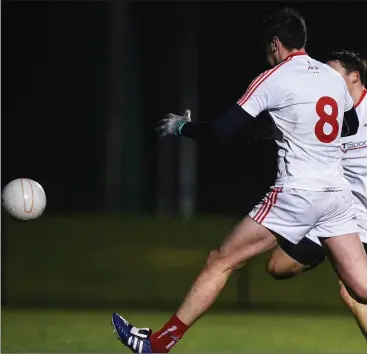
x=172, y=124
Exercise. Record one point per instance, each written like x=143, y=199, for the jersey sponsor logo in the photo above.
x=314, y=68
x=353, y=145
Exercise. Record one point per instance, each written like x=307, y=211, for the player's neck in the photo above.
x=285, y=53
x=357, y=92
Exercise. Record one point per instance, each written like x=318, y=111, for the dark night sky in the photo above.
x=54, y=65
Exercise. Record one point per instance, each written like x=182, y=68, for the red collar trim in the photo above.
x=363, y=94
x=296, y=54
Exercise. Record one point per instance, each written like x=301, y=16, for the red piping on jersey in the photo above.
x=363, y=94
x=295, y=54
x=253, y=83
x=259, y=80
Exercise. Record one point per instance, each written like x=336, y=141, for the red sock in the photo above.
x=166, y=338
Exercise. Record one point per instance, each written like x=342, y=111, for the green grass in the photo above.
x=51, y=331
x=79, y=259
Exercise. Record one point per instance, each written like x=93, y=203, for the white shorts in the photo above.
x=294, y=213
x=363, y=233
x=362, y=230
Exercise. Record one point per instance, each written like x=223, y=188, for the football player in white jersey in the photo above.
x=308, y=102
x=289, y=259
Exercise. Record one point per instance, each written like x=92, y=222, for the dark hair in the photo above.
x=289, y=26
x=351, y=61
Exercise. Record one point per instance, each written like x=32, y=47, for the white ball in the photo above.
x=24, y=199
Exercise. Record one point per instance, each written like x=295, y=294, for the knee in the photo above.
x=358, y=293
x=213, y=258
x=217, y=261
x=344, y=294
x=275, y=271
x=279, y=271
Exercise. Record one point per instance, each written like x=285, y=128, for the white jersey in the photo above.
x=306, y=100
x=354, y=151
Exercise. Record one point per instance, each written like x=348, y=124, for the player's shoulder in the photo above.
x=274, y=74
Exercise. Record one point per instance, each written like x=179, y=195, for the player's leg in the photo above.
x=349, y=260
x=281, y=266
x=338, y=231
x=247, y=240
x=250, y=238
x=358, y=310
x=284, y=265
x=289, y=259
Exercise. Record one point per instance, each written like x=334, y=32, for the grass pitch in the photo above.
x=51, y=331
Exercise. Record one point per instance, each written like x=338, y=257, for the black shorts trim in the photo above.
x=306, y=252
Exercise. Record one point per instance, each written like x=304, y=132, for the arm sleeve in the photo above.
x=263, y=94
x=350, y=123
x=219, y=129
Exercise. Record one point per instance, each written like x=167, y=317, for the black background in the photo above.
x=54, y=92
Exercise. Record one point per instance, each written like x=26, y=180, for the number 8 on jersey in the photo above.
x=330, y=118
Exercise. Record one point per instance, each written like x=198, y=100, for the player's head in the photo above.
x=350, y=65
x=284, y=31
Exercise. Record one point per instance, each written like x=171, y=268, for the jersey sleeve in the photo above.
x=263, y=94
x=348, y=101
